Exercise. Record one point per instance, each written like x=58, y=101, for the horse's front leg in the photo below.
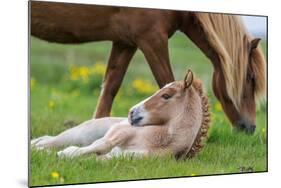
x=100, y=146
x=154, y=45
x=117, y=66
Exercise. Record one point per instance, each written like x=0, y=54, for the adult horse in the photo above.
x=239, y=65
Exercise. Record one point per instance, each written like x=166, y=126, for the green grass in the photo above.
x=225, y=152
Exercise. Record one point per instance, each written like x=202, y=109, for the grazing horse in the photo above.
x=172, y=121
x=239, y=64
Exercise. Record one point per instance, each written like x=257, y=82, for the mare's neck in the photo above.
x=196, y=34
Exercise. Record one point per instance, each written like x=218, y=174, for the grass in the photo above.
x=57, y=100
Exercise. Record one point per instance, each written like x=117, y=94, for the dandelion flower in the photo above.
x=84, y=73
x=32, y=82
x=51, y=104
x=74, y=73
x=193, y=174
x=143, y=86
x=218, y=107
x=263, y=130
x=98, y=69
x=55, y=175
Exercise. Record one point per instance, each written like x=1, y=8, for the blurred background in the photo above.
x=256, y=25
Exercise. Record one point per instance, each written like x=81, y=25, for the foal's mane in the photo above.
x=227, y=35
x=198, y=143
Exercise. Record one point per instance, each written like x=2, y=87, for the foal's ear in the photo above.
x=188, y=79
x=254, y=43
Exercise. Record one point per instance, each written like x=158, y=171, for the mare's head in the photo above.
x=238, y=97
x=239, y=65
x=166, y=104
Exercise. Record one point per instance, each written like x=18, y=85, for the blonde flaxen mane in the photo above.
x=232, y=48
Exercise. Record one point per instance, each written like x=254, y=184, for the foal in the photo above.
x=172, y=121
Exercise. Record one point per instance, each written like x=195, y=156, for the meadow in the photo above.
x=65, y=83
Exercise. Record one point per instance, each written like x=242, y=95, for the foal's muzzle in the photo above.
x=135, y=117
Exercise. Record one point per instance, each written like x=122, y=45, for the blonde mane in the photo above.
x=232, y=48
x=198, y=143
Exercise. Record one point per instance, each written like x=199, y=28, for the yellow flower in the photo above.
x=143, y=86
x=193, y=174
x=77, y=73
x=218, y=107
x=32, y=82
x=51, y=104
x=263, y=130
x=55, y=175
x=84, y=73
x=98, y=68
x=74, y=73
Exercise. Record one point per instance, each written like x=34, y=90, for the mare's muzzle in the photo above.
x=246, y=126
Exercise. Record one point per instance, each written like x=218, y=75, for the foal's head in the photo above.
x=166, y=104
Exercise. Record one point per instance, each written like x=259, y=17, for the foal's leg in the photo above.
x=117, y=66
x=37, y=140
x=100, y=146
x=116, y=136
x=83, y=134
x=154, y=45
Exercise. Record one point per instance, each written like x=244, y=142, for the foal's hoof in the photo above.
x=69, y=152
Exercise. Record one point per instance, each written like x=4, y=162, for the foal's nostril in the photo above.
x=132, y=113
x=135, y=117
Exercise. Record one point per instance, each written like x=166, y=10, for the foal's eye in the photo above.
x=166, y=96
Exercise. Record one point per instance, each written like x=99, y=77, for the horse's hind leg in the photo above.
x=154, y=46
x=118, y=63
x=36, y=140
x=46, y=142
x=83, y=134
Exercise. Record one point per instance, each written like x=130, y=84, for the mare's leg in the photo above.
x=117, y=66
x=154, y=45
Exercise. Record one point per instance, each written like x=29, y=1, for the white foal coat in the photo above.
x=106, y=137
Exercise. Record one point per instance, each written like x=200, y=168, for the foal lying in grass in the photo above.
x=172, y=121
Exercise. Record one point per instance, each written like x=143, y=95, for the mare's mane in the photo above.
x=232, y=48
